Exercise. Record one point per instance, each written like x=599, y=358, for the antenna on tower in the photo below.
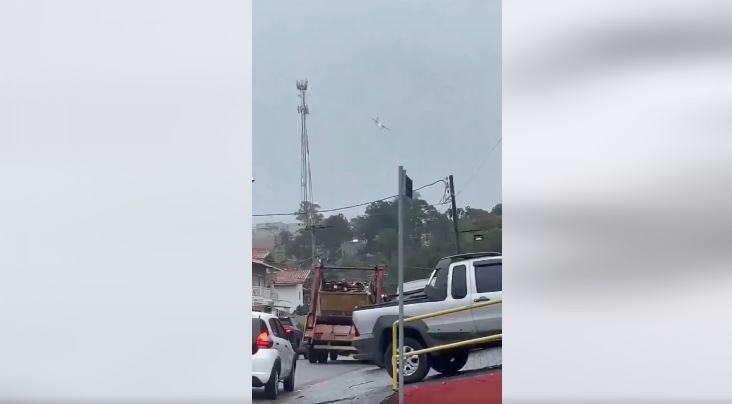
x=306, y=179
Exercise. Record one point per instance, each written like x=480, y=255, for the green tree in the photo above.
x=306, y=208
x=336, y=230
x=428, y=236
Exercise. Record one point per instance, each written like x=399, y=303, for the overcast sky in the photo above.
x=431, y=70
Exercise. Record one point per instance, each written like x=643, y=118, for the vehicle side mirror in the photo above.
x=435, y=294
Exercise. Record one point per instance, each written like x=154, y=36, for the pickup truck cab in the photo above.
x=457, y=281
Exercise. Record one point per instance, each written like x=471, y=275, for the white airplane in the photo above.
x=379, y=124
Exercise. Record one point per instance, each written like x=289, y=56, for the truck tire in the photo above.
x=417, y=367
x=449, y=362
x=333, y=355
x=322, y=356
x=312, y=355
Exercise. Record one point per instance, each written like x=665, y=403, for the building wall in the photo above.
x=289, y=296
x=259, y=275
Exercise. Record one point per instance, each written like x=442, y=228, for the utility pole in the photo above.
x=316, y=255
x=314, y=246
x=454, y=214
x=405, y=194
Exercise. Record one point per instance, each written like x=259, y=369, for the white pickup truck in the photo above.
x=456, y=281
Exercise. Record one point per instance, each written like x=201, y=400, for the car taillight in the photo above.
x=288, y=329
x=263, y=341
x=355, y=331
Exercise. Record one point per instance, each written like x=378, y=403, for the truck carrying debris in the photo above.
x=329, y=329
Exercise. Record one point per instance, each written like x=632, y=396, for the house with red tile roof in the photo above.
x=288, y=285
x=263, y=296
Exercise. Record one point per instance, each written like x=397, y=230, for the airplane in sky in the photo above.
x=379, y=124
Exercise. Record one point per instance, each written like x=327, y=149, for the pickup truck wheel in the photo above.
x=415, y=368
x=312, y=355
x=450, y=362
x=334, y=356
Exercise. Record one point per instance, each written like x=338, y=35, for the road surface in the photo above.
x=349, y=381
x=308, y=375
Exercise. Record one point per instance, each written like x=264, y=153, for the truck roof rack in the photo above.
x=467, y=256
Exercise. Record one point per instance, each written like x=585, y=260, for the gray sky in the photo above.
x=431, y=70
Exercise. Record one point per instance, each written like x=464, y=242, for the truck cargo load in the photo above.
x=329, y=326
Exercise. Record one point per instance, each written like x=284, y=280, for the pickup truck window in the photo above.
x=489, y=278
x=440, y=280
x=439, y=283
x=459, y=287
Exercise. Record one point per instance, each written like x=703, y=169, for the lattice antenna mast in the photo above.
x=306, y=179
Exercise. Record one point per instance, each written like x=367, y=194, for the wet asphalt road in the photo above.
x=309, y=375
x=349, y=381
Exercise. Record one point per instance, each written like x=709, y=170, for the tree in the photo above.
x=336, y=229
x=301, y=310
x=306, y=208
x=428, y=236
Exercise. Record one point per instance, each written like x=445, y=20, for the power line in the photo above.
x=479, y=167
x=296, y=261
x=351, y=206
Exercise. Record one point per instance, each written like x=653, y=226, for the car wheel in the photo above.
x=296, y=356
x=414, y=368
x=322, y=356
x=273, y=385
x=334, y=356
x=289, y=383
x=450, y=362
x=298, y=351
x=312, y=355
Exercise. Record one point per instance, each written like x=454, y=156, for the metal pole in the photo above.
x=314, y=247
x=400, y=272
x=454, y=214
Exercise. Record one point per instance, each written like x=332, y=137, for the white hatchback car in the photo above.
x=273, y=359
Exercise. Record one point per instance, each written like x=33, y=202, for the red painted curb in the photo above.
x=479, y=389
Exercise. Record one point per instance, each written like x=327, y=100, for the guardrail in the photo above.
x=473, y=341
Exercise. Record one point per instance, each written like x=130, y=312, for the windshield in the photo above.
x=433, y=279
x=444, y=266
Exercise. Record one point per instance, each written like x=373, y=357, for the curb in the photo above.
x=393, y=398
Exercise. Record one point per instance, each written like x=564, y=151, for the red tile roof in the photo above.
x=259, y=254
x=291, y=277
x=267, y=264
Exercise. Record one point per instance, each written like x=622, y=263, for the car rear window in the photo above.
x=285, y=321
x=256, y=328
